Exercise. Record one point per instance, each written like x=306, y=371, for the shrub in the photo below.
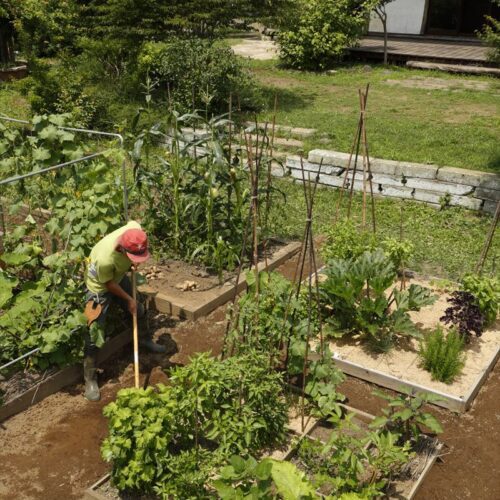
x=63, y=88
x=441, y=355
x=198, y=73
x=354, y=300
x=487, y=294
x=320, y=34
x=491, y=35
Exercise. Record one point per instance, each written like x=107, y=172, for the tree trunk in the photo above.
x=7, y=55
x=384, y=24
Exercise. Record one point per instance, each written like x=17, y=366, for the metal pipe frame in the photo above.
x=57, y=167
x=90, y=132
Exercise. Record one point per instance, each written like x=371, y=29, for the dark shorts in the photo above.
x=106, y=300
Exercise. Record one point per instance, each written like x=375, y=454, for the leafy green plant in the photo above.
x=244, y=479
x=486, y=291
x=354, y=300
x=266, y=324
x=399, y=252
x=441, y=355
x=65, y=213
x=267, y=479
x=405, y=414
x=170, y=439
x=322, y=380
x=345, y=241
x=353, y=461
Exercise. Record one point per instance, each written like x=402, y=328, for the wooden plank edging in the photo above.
x=66, y=376
x=390, y=382
x=173, y=303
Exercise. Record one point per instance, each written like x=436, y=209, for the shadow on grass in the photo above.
x=493, y=164
x=288, y=99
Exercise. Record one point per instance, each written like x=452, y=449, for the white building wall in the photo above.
x=403, y=16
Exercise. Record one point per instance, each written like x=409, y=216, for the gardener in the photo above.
x=107, y=283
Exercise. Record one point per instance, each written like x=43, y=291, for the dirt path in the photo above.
x=262, y=50
x=51, y=451
x=469, y=467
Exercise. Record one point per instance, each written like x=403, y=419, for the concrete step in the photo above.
x=284, y=130
x=455, y=68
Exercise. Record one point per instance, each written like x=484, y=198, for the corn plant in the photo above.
x=196, y=192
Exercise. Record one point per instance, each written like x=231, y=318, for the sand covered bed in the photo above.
x=403, y=362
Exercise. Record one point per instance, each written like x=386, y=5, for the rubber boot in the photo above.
x=146, y=338
x=152, y=346
x=92, y=392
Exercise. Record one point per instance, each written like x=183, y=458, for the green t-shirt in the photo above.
x=105, y=263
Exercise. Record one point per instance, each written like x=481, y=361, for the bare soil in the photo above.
x=431, y=83
x=51, y=451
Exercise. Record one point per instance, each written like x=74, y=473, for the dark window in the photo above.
x=458, y=17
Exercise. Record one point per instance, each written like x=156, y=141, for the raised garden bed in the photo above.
x=404, y=486
x=186, y=292
x=400, y=366
x=14, y=73
x=58, y=379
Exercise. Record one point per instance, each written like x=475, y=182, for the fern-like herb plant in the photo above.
x=442, y=355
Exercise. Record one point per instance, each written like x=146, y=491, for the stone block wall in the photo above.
x=427, y=183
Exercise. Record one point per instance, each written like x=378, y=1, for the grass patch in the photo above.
x=12, y=103
x=447, y=243
x=413, y=115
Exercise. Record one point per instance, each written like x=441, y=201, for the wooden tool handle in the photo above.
x=136, y=332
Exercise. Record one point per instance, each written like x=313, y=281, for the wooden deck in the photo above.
x=402, y=49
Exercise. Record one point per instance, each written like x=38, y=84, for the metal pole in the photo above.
x=91, y=132
x=49, y=169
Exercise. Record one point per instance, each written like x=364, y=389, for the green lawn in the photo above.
x=448, y=243
x=12, y=103
x=453, y=120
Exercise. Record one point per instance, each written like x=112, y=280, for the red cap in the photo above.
x=135, y=244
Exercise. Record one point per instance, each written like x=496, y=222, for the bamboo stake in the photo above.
x=344, y=183
x=136, y=331
x=367, y=154
x=363, y=209
x=230, y=117
x=489, y=239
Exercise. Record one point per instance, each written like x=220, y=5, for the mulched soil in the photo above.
x=51, y=451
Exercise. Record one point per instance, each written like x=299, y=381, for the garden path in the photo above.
x=254, y=48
